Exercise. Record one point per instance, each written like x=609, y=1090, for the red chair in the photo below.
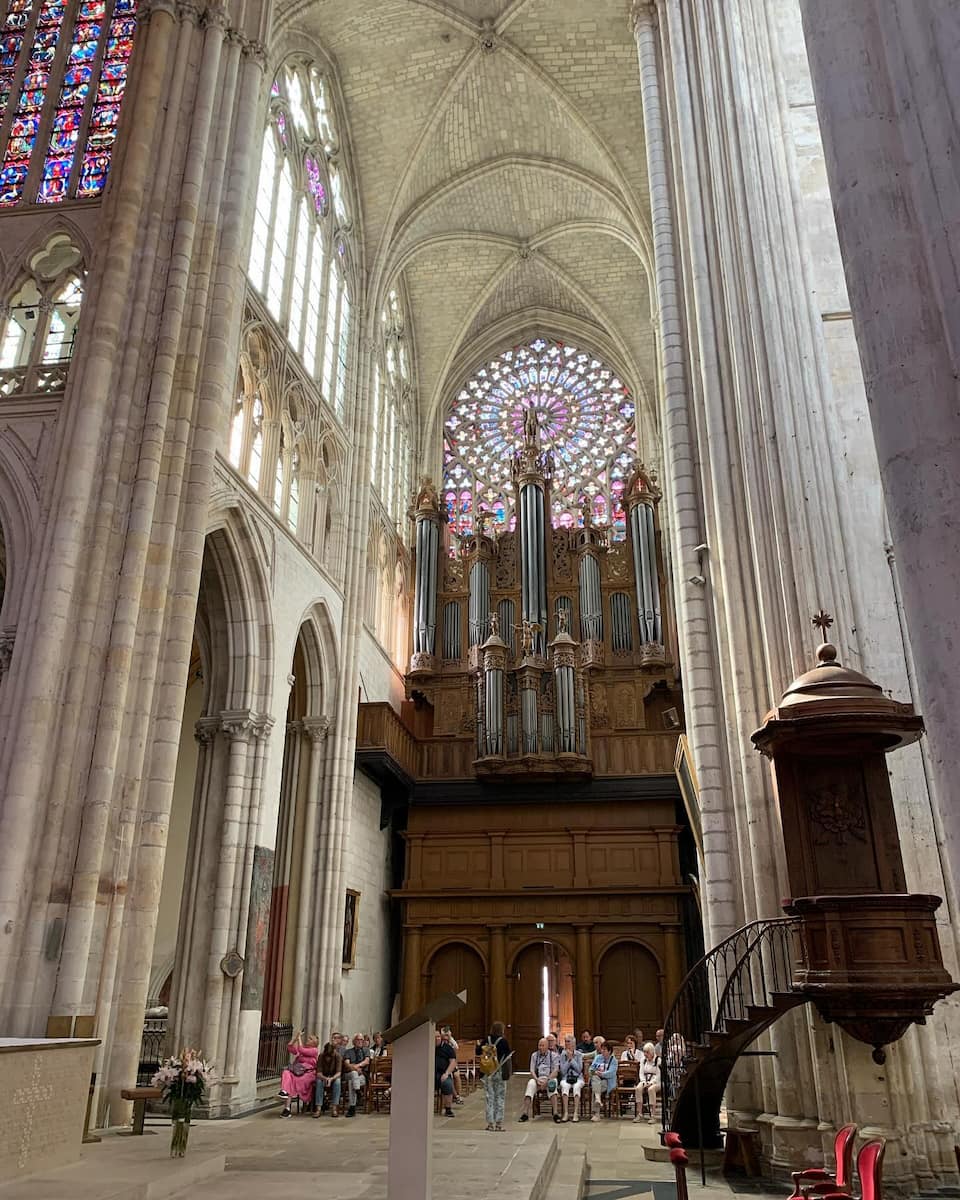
x=870, y=1170
x=817, y=1179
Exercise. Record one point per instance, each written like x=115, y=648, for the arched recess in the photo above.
x=453, y=967
x=227, y=694
x=630, y=990
x=291, y=951
x=541, y=972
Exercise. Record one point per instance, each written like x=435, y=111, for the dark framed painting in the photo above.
x=351, y=926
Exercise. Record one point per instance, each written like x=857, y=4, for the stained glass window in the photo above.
x=61, y=111
x=296, y=229
x=587, y=421
x=392, y=453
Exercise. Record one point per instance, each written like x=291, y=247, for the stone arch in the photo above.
x=240, y=642
x=564, y=941
x=19, y=522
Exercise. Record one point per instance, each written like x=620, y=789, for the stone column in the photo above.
x=304, y=984
x=887, y=92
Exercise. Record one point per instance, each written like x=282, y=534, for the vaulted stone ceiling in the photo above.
x=499, y=160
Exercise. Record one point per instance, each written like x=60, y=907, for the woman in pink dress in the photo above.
x=298, y=1079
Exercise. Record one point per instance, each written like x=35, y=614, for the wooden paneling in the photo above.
x=630, y=992
x=454, y=968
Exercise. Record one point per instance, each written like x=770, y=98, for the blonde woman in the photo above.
x=649, y=1084
x=298, y=1079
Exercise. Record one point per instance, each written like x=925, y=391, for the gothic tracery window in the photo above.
x=61, y=110
x=393, y=424
x=40, y=318
x=299, y=253
x=587, y=423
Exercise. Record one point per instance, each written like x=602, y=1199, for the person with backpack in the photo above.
x=493, y=1059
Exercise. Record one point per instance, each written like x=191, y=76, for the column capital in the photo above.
x=206, y=729
x=643, y=13
x=316, y=728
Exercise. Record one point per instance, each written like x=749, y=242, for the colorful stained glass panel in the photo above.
x=586, y=419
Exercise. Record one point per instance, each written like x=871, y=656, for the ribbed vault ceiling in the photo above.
x=499, y=162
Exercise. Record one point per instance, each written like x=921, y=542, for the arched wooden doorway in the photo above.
x=630, y=993
x=454, y=967
x=542, y=997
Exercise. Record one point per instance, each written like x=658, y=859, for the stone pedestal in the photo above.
x=43, y=1102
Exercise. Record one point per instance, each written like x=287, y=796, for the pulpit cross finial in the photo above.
x=823, y=621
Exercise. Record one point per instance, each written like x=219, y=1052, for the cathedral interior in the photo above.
x=478, y=489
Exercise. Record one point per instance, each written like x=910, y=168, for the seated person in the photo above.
x=585, y=1045
x=630, y=1053
x=446, y=1035
x=378, y=1047
x=649, y=1083
x=571, y=1077
x=444, y=1070
x=544, y=1068
x=603, y=1076
x=297, y=1080
x=329, y=1070
x=355, y=1064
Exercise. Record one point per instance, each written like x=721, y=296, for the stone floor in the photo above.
x=306, y=1159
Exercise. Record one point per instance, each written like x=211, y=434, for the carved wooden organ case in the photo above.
x=544, y=644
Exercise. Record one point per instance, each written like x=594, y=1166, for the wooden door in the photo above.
x=629, y=992
x=453, y=968
x=528, y=1003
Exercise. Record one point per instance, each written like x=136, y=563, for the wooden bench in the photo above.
x=140, y=1096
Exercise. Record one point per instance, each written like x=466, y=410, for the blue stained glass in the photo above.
x=75, y=95
x=10, y=49
x=80, y=73
x=114, y=71
x=56, y=177
x=123, y=7
x=16, y=20
x=105, y=116
x=52, y=13
x=93, y=174
x=33, y=99
x=92, y=10
x=84, y=51
x=64, y=141
x=12, y=178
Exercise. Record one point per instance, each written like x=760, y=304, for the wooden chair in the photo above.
x=379, y=1085
x=628, y=1075
x=870, y=1171
x=818, y=1178
x=467, y=1070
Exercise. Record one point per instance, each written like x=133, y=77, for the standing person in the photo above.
x=495, y=1084
x=329, y=1069
x=446, y=1034
x=571, y=1076
x=544, y=1068
x=297, y=1080
x=444, y=1069
x=603, y=1077
x=355, y=1063
x=649, y=1083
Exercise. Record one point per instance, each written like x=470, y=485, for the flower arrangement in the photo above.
x=183, y=1081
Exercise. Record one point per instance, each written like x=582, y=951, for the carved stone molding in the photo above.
x=7, y=638
x=316, y=728
x=206, y=729
x=642, y=13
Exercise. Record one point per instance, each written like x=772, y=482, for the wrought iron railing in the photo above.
x=152, y=1048
x=272, y=1056
x=745, y=968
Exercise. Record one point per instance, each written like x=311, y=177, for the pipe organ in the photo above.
x=541, y=629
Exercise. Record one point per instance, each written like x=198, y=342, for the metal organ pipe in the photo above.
x=479, y=603
x=591, y=603
x=425, y=625
x=643, y=539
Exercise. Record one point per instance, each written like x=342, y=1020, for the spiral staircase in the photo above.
x=732, y=995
